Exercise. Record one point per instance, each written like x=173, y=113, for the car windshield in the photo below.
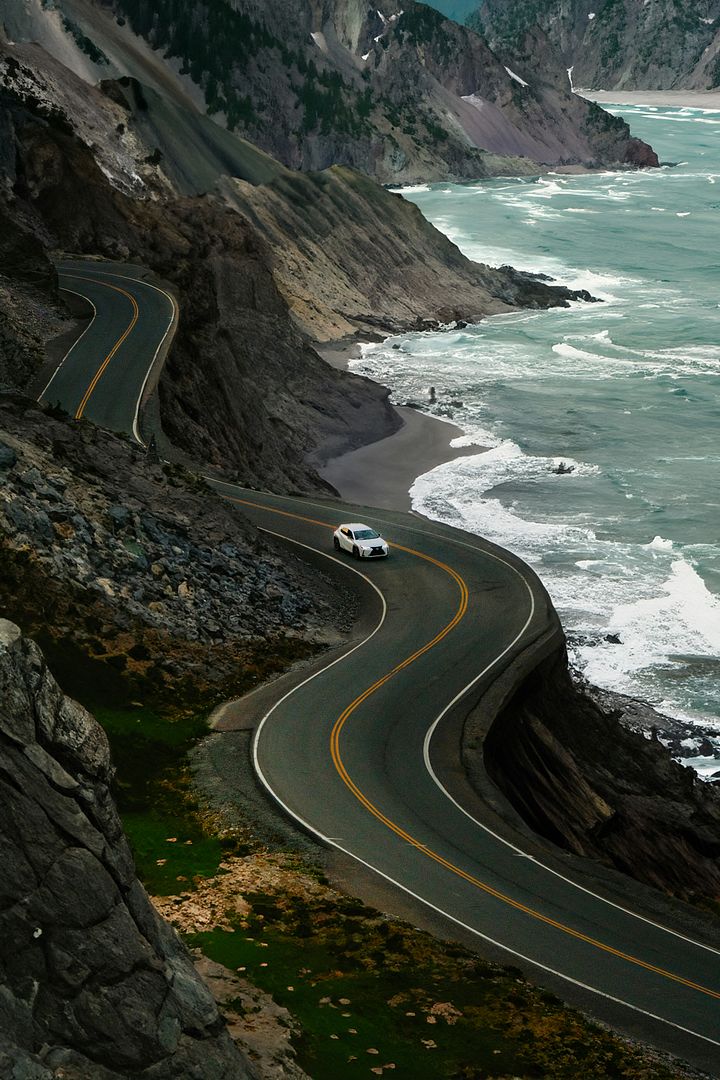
x=367, y=534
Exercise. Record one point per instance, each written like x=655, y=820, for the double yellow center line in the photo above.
x=125, y=334
x=406, y=836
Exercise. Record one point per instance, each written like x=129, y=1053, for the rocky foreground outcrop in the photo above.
x=582, y=779
x=93, y=984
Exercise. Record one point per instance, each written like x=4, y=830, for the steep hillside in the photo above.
x=616, y=44
x=404, y=95
x=160, y=585
x=75, y=180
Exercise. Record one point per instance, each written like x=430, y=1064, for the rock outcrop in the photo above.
x=351, y=258
x=92, y=982
x=583, y=780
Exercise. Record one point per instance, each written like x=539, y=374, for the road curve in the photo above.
x=355, y=751
x=104, y=376
x=350, y=753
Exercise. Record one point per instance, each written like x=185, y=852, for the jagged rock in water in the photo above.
x=93, y=983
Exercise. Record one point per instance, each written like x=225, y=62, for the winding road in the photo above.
x=364, y=750
x=107, y=375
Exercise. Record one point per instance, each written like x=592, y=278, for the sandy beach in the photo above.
x=687, y=99
x=382, y=473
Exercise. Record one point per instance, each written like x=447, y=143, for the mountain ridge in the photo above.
x=409, y=99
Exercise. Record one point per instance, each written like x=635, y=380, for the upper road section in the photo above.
x=108, y=372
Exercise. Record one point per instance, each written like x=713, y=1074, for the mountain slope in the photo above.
x=359, y=257
x=617, y=44
x=404, y=95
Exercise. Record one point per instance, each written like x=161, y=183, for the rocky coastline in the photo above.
x=149, y=593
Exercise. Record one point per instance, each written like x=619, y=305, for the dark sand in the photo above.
x=382, y=473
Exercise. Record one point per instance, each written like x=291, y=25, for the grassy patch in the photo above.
x=171, y=841
x=174, y=842
x=374, y=994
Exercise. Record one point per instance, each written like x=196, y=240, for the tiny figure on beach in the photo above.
x=433, y=396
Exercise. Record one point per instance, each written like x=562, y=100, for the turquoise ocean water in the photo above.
x=627, y=392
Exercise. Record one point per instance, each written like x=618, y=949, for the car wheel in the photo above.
x=336, y=543
x=356, y=552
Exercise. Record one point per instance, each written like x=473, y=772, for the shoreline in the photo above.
x=381, y=474
x=681, y=99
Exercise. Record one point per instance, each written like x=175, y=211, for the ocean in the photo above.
x=626, y=393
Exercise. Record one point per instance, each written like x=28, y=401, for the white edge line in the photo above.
x=508, y=949
x=333, y=842
x=433, y=727
x=519, y=851
x=175, y=312
x=77, y=340
x=337, y=660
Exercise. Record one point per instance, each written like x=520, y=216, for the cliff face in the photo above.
x=401, y=94
x=616, y=44
x=92, y=981
x=339, y=255
x=583, y=780
x=260, y=400
x=350, y=257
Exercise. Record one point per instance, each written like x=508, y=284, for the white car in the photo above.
x=361, y=541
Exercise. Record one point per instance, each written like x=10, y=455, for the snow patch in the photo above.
x=515, y=77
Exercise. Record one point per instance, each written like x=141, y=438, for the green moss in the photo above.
x=355, y=981
x=170, y=841
x=300, y=974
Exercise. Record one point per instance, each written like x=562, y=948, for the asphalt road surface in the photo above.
x=103, y=377
x=361, y=752
x=356, y=754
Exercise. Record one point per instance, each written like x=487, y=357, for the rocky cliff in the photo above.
x=261, y=399
x=328, y=253
x=401, y=94
x=92, y=982
x=616, y=44
x=581, y=778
